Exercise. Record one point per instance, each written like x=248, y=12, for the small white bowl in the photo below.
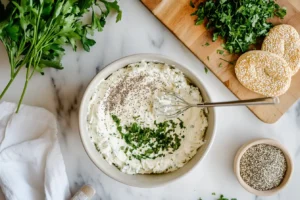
x=252, y=143
x=142, y=180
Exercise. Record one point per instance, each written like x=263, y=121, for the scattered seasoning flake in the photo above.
x=207, y=57
x=213, y=193
x=220, y=65
x=263, y=167
x=206, y=70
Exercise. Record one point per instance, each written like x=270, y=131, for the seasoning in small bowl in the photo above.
x=263, y=167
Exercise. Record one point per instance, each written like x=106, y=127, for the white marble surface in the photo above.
x=140, y=32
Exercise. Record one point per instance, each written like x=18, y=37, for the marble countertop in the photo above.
x=140, y=32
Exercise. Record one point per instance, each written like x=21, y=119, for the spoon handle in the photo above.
x=248, y=102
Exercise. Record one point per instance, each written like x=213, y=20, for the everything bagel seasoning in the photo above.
x=263, y=167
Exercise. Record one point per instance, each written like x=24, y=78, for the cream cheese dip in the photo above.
x=125, y=129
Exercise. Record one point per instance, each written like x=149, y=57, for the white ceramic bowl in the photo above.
x=142, y=180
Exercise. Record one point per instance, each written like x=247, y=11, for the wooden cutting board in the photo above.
x=175, y=14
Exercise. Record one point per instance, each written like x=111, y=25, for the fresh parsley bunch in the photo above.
x=34, y=32
x=239, y=22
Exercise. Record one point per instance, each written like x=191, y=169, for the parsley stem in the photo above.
x=10, y=82
x=24, y=89
x=6, y=88
x=23, y=93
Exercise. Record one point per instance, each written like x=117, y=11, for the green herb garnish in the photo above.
x=206, y=44
x=34, y=33
x=97, y=147
x=230, y=62
x=116, y=120
x=221, y=52
x=192, y=4
x=222, y=197
x=147, y=143
x=206, y=70
x=181, y=124
x=239, y=23
x=136, y=117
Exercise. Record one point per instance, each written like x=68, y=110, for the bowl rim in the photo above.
x=140, y=57
x=268, y=141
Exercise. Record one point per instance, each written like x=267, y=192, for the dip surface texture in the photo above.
x=125, y=129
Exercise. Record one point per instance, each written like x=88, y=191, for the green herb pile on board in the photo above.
x=239, y=22
x=34, y=32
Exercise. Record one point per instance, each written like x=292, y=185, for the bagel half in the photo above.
x=284, y=41
x=264, y=73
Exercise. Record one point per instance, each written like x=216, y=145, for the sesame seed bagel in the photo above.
x=284, y=41
x=264, y=73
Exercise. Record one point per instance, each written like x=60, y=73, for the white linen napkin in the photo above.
x=31, y=163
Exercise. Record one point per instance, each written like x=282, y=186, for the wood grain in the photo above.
x=176, y=16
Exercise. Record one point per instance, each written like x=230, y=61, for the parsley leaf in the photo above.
x=239, y=23
x=34, y=33
x=2, y=12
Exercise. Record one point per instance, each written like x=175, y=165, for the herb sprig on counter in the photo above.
x=34, y=32
x=145, y=142
x=239, y=22
x=222, y=197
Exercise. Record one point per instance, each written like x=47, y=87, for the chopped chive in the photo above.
x=147, y=143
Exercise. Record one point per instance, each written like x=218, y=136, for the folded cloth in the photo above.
x=31, y=163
